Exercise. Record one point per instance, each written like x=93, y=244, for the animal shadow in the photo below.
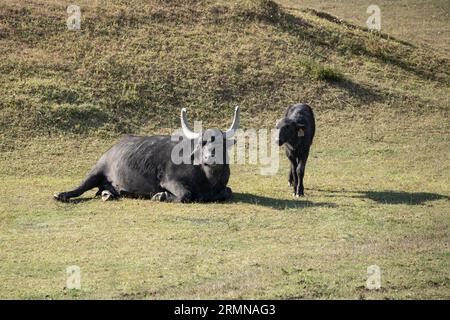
x=401, y=197
x=278, y=204
x=388, y=196
x=77, y=200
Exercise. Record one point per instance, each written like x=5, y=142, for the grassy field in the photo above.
x=377, y=190
x=422, y=22
x=370, y=200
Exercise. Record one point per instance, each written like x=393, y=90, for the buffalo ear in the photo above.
x=301, y=131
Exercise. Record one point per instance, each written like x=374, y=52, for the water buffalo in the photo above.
x=296, y=133
x=145, y=167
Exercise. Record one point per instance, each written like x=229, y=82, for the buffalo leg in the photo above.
x=301, y=174
x=291, y=177
x=91, y=181
x=106, y=190
x=222, y=195
x=166, y=196
x=294, y=166
x=109, y=194
x=175, y=192
x=160, y=196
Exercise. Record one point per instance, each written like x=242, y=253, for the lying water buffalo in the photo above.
x=145, y=167
x=296, y=133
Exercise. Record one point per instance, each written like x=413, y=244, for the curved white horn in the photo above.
x=186, y=129
x=235, y=125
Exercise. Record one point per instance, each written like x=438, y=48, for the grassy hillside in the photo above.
x=376, y=184
x=423, y=22
x=133, y=65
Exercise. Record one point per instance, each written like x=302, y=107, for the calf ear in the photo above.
x=301, y=131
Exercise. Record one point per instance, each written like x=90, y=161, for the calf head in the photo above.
x=212, y=144
x=289, y=131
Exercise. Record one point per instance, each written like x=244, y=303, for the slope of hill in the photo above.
x=422, y=22
x=133, y=64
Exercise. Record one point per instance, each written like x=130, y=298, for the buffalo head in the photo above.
x=212, y=144
x=289, y=131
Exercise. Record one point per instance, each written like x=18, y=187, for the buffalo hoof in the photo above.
x=225, y=194
x=228, y=193
x=298, y=195
x=61, y=197
x=107, y=196
x=160, y=196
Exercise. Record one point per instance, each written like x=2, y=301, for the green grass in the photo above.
x=131, y=67
x=322, y=72
x=377, y=188
x=369, y=201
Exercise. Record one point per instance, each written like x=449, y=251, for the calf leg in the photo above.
x=291, y=177
x=92, y=180
x=294, y=175
x=301, y=174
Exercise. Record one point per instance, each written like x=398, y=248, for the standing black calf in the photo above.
x=297, y=130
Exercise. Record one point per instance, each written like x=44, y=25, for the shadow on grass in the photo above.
x=400, y=197
x=386, y=197
x=361, y=92
x=76, y=200
x=390, y=197
x=278, y=204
